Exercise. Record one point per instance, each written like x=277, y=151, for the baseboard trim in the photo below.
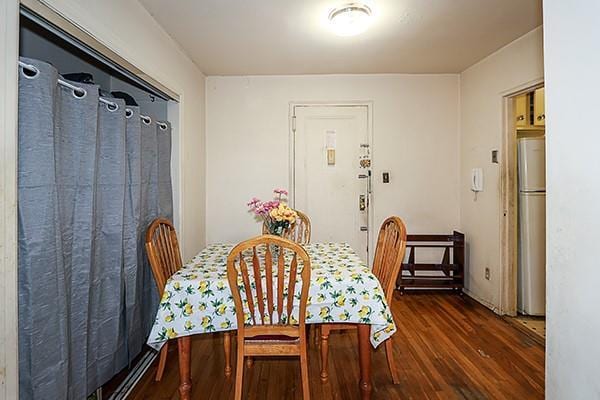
x=128, y=384
x=484, y=303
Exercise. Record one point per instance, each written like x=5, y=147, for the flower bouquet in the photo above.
x=276, y=214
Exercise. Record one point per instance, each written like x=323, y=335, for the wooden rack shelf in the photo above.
x=449, y=274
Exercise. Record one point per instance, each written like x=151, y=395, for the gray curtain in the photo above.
x=90, y=181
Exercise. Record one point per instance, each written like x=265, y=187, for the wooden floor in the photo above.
x=446, y=347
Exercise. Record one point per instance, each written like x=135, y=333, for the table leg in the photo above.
x=184, y=345
x=364, y=357
x=227, y=347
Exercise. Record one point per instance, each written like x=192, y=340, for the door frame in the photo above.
x=509, y=200
x=368, y=104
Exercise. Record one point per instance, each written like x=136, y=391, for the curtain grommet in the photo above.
x=162, y=125
x=82, y=92
x=29, y=71
x=112, y=107
x=128, y=113
x=146, y=120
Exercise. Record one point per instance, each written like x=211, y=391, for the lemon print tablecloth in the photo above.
x=197, y=299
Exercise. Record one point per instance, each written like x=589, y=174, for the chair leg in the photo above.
x=324, y=352
x=162, y=361
x=304, y=374
x=227, y=350
x=391, y=363
x=239, y=372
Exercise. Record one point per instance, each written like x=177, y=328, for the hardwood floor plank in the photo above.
x=447, y=347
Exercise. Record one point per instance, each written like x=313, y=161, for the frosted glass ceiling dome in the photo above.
x=350, y=19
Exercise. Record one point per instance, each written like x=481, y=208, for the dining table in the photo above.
x=197, y=300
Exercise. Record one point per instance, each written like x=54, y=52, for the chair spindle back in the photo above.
x=274, y=261
x=389, y=254
x=163, y=251
x=299, y=232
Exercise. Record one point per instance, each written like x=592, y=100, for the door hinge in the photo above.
x=293, y=123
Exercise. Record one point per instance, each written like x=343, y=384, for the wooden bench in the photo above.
x=449, y=274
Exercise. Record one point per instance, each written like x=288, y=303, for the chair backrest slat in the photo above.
x=258, y=279
x=292, y=285
x=292, y=267
x=280, y=284
x=389, y=254
x=162, y=249
x=247, y=287
x=269, y=280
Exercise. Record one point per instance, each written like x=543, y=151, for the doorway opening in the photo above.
x=523, y=295
x=330, y=171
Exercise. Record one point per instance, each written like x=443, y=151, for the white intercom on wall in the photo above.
x=477, y=180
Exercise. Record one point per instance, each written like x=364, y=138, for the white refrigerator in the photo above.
x=532, y=226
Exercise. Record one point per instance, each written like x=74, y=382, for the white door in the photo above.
x=331, y=173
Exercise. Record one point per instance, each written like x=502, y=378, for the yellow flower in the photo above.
x=365, y=296
x=206, y=321
x=340, y=301
x=202, y=306
x=324, y=312
x=343, y=316
x=188, y=310
x=225, y=324
x=171, y=333
x=169, y=317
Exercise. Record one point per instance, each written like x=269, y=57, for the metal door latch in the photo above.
x=361, y=202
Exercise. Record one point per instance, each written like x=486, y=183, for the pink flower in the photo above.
x=253, y=202
x=280, y=192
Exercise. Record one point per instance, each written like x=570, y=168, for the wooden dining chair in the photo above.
x=299, y=232
x=389, y=253
x=263, y=276
x=163, y=252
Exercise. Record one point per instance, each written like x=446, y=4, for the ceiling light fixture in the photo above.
x=350, y=19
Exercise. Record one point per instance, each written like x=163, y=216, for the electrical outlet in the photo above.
x=487, y=273
x=495, y=156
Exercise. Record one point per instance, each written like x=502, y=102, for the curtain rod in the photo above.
x=80, y=93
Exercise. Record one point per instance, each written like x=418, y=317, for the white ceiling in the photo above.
x=264, y=37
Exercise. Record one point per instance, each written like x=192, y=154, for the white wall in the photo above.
x=572, y=67
x=415, y=123
x=482, y=87
x=130, y=31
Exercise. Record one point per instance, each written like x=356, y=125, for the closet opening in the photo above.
x=48, y=44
